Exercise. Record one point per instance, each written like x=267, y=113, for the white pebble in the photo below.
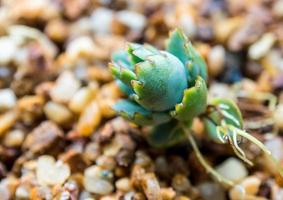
x=57, y=113
x=21, y=34
x=210, y=191
x=50, y=172
x=8, y=48
x=101, y=20
x=278, y=116
x=275, y=145
x=216, y=60
x=81, y=99
x=188, y=24
x=7, y=99
x=22, y=193
x=80, y=46
x=95, y=183
x=14, y=138
x=232, y=169
x=134, y=20
x=65, y=87
x=262, y=46
x=277, y=8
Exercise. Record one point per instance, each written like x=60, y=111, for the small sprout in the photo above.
x=167, y=90
x=161, y=83
x=224, y=124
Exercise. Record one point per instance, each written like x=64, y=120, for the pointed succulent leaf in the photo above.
x=131, y=48
x=124, y=88
x=137, y=114
x=144, y=51
x=166, y=135
x=193, y=103
x=121, y=58
x=196, y=65
x=179, y=45
x=161, y=82
x=122, y=73
x=176, y=45
x=224, y=111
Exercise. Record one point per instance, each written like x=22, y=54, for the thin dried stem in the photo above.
x=204, y=163
x=259, y=144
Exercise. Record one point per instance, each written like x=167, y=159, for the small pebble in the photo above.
x=181, y=183
x=188, y=24
x=89, y=119
x=58, y=113
x=216, y=60
x=7, y=120
x=22, y=193
x=95, y=183
x=101, y=20
x=14, y=138
x=81, y=99
x=237, y=193
x=133, y=20
x=246, y=189
x=82, y=46
x=123, y=184
x=277, y=8
x=106, y=162
x=7, y=99
x=113, y=148
x=262, y=46
x=232, y=169
x=150, y=186
x=65, y=87
x=275, y=145
x=50, y=172
x=210, y=190
x=278, y=116
x=168, y=193
x=8, y=49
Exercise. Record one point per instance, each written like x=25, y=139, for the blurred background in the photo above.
x=56, y=94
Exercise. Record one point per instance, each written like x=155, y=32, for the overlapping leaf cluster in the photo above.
x=163, y=87
x=167, y=90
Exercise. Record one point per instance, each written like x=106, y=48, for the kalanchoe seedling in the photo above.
x=167, y=90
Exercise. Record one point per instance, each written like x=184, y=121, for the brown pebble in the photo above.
x=47, y=137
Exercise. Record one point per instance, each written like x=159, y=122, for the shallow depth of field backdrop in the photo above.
x=60, y=138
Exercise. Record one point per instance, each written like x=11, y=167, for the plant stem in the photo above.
x=203, y=162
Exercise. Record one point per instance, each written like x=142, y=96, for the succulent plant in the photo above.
x=167, y=89
x=161, y=85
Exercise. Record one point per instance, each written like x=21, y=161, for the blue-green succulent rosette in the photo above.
x=167, y=90
x=163, y=87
